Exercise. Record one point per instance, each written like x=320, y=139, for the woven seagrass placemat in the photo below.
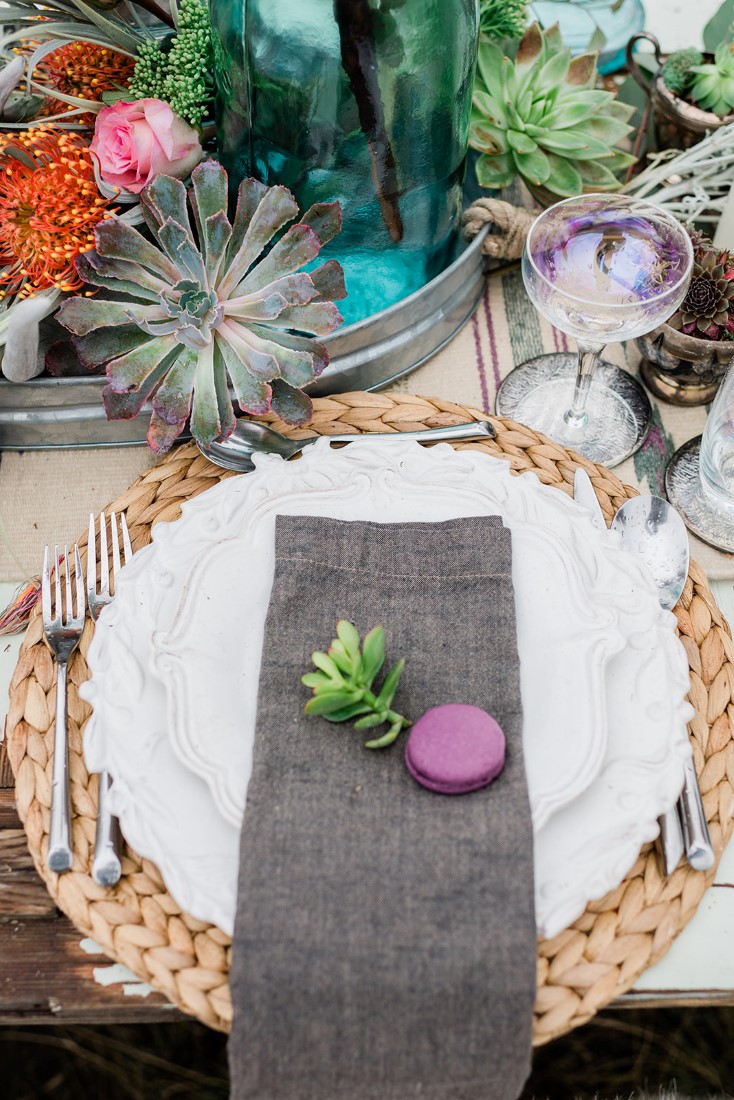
x=138, y=922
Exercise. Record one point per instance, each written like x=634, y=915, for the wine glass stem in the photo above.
x=588, y=358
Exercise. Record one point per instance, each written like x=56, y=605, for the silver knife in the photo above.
x=671, y=831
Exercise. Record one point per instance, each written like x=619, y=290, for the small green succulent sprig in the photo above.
x=342, y=686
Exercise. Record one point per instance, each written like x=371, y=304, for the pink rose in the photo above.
x=133, y=142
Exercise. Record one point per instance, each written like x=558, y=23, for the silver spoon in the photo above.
x=651, y=528
x=235, y=453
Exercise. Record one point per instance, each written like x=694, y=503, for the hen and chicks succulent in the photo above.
x=194, y=313
x=708, y=307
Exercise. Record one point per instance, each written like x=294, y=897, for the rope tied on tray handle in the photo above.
x=511, y=225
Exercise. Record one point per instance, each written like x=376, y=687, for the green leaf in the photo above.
x=130, y=371
x=292, y=406
x=521, y=143
x=596, y=176
x=348, y=636
x=206, y=424
x=117, y=240
x=530, y=47
x=390, y=686
x=578, y=144
x=487, y=138
x=208, y=195
x=373, y=654
x=347, y=713
x=370, y=721
x=325, y=219
x=331, y=702
x=165, y=197
x=553, y=72
x=105, y=343
x=618, y=161
x=489, y=67
x=488, y=108
x=533, y=166
x=582, y=70
x=274, y=210
x=495, y=171
x=718, y=28
x=391, y=736
x=316, y=680
x=564, y=179
x=253, y=395
x=83, y=315
x=341, y=658
x=608, y=130
x=172, y=400
x=327, y=665
x=572, y=109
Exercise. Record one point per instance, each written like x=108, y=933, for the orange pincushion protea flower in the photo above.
x=84, y=70
x=49, y=207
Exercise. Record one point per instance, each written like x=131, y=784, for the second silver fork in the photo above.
x=107, y=866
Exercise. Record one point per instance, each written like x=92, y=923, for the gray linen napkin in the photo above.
x=384, y=944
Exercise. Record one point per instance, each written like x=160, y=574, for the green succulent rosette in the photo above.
x=192, y=313
x=540, y=117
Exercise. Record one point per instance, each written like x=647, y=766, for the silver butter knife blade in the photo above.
x=583, y=493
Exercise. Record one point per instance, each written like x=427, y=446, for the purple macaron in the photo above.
x=455, y=748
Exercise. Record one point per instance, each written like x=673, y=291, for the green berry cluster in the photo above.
x=182, y=76
x=499, y=19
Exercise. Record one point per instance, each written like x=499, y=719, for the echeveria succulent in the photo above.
x=713, y=84
x=541, y=117
x=708, y=307
x=197, y=312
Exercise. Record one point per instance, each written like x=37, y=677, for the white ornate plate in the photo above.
x=579, y=602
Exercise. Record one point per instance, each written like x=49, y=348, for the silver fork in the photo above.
x=63, y=632
x=107, y=865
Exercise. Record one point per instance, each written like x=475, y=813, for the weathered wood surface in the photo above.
x=45, y=975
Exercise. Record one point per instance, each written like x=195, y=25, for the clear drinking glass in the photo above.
x=699, y=479
x=600, y=268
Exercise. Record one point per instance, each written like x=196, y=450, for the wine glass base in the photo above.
x=711, y=522
x=538, y=393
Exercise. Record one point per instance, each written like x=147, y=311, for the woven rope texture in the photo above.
x=139, y=924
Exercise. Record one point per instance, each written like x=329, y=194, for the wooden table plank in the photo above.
x=46, y=977
x=46, y=974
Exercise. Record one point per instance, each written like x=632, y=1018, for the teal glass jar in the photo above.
x=366, y=102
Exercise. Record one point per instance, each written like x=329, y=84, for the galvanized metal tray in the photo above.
x=68, y=412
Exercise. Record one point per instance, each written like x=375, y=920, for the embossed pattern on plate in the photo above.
x=154, y=793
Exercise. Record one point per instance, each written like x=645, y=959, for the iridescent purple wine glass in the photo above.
x=600, y=268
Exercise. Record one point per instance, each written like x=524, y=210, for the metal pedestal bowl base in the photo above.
x=700, y=511
x=539, y=392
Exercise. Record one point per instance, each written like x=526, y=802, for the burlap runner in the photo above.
x=47, y=496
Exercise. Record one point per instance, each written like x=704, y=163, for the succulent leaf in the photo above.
x=252, y=394
x=209, y=304
x=542, y=118
x=565, y=178
x=172, y=401
x=104, y=343
x=292, y=405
